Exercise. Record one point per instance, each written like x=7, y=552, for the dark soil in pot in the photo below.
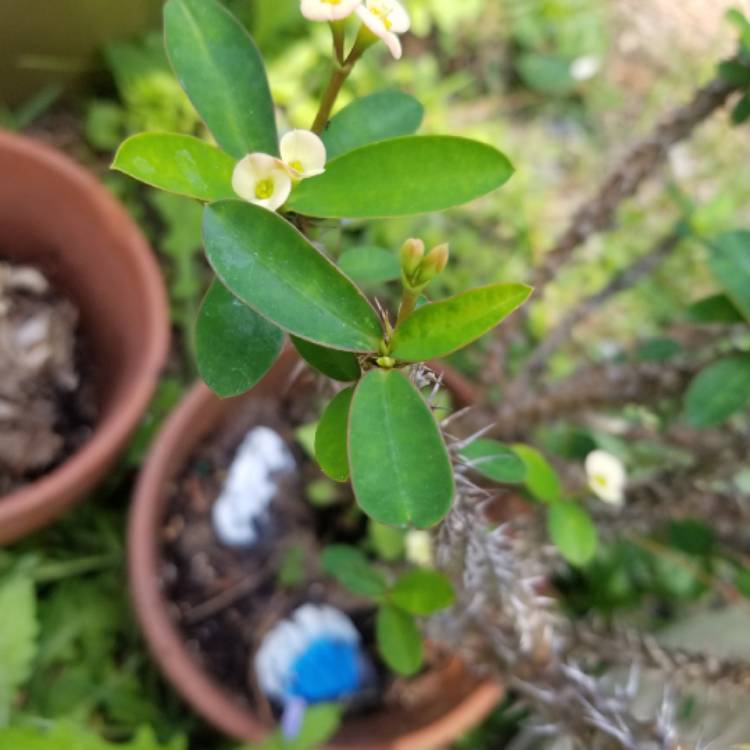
x=225, y=598
x=47, y=400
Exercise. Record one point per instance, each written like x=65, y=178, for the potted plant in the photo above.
x=69, y=251
x=221, y=494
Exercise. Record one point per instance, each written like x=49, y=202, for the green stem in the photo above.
x=406, y=308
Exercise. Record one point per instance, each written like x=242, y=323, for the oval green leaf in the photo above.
x=541, y=479
x=399, y=464
x=717, y=308
x=178, y=164
x=718, y=391
x=384, y=114
x=422, y=592
x=573, y=532
x=403, y=176
x=330, y=437
x=495, y=461
x=270, y=266
x=351, y=569
x=399, y=640
x=334, y=363
x=235, y=347
x=370, y=265
x=729, y=260
x=439, y=328
x=222, y=72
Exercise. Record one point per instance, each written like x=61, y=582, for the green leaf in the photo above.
x=439, y=328
x=741, y=110
x=18, y=636
x=318, y=726
x=717, y=308
x=384, y=114
x=351, y=569
x=548, y=74
x=67, y=735
x=402, y=176
x=541, y=479
x=401, y=473
x=270, y=266
x=399, y=640
x=495, y=461
x=370, y=265
x=336, y=364
x=738, y=19
x=657, y=350
x=729, y=261
x=330, y=437
x=572, y=531
x=422, y=592
x=178, y=164
x=221, y=70
x=718, y=391
x=235, y=346
x=387, y=543
x=734, y=72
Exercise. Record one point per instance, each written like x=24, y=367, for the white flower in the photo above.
x=304, y=153
x=419, y=548
x=328, y=10
x=583, y=68
x=262, y=179
x=385, y=19
x=606, y=476
x=278, y=664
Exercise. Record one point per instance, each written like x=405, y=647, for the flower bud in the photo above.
x=412, y=253
x=433, y=264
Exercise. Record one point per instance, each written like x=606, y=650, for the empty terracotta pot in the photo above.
x=56, y=216
x=458, y=700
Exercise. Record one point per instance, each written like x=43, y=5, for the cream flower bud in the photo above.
x=606, y=477
x=386, y=19
x=412, y=253
x=419, y=549
x=434, y=263
x=304, y=153
x=328, y=10
x=263, y=180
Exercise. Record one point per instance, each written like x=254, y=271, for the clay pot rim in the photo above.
x=113, y=427
x=167, y=646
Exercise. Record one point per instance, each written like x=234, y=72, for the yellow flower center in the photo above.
x=264, y=189
x=332, y=2
x=600, y=480
x=297, y=165
x=382, y=11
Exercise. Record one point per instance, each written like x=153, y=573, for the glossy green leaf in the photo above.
x=399, y=640
x=718, y=391
x=735, y=73
x=330, y=437
x=270, y=266
x=402, y=176
x=384, y=114
x=439, y=328
x=370, y=265
x=573, y=532
x=178, y=164
x=494, y=460
x=351, y=569
x=422, y=592
x=717, y=308
x=222, y=72
x=235, y=347
x=741, y=110
x=334, y=363
x=541, y=479
x=729, y=260
x=399, y=464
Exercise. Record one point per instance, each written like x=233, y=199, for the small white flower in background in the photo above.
x=328, y=10
x=263, y=180
x=418, y=546
x=606, y=476
x=313, y=656
x=304, y=153
x=386, y=19
x=585, y=67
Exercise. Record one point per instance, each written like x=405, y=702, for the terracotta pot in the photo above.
x=57, y=217
x=462, y=700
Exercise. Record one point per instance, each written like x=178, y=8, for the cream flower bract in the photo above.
x=386, y=19
x=606, y=476
x=304, y=153
x=263, y=180
x=328, y=10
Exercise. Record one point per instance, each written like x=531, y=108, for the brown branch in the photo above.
x=625, y=279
